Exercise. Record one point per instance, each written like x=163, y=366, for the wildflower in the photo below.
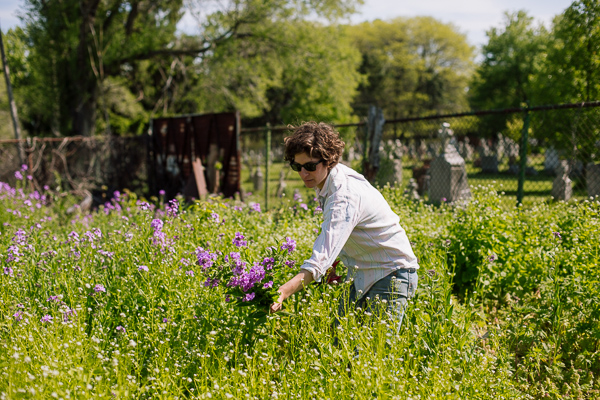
x=215, y=217
x=492, y=258
x=303, y=206
x=18, y=175
x=290, y=263
x=289, y=245
x=68, y=313
x=53, y=298
x=556, y=235
x=255, y=207
x=205, y=258
x=120, y=329
x=99, y=288
x=8, y=271
x=227, y=298
x=297, y=197
x=238, y=240
x=444, y=199
x=143, y=205
x=161, y=192
x=249, y=297
x=268, y=263
x=189, y=273
x=143, y=268
x=24, y=167
x=268, y=285
x=20, y=237
x=46, y=318
x=157, y=224
x=172, y=208
x=18, y=315
x=74, y=236
x=165, y=320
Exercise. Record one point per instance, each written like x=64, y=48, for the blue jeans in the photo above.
x=396, y=289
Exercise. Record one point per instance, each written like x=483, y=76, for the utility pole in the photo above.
x=13, y=106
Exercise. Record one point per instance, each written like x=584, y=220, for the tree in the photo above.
x=572, y=71
x=413, y=66
x=505, y=78
x=85, y=51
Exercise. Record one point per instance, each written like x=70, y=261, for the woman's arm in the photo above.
x=304, y=278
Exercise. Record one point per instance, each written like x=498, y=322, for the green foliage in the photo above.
x=513, y=58
x=413, y=66
x=573, y=61
x=529, y=333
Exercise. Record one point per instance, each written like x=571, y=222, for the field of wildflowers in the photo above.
x=150, y=300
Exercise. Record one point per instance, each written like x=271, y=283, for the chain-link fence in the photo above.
x=530, y=154
x=87, y=167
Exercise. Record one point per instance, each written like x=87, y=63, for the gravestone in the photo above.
x=411, y=190
x=562, y=187
x=593, y=179
x=282, y=185
x=465, y=149
x=552, y=161
x=390, y=173
x=489, y=164
x=448, y=175
x=258, y=179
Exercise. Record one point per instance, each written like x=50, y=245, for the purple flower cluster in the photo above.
x=20, y=238
x=99, y=288
x=205, y=258
x=46, y=319
x=68, y=313
x=143, y=268
x=246, y=280
x=159, y=235
x=13, y=254
x=289, y=245
x=144, y=206
x=268, y=263
x=172, y=208
x=297, y=197
x=213, y=283
x=239, y=241
x=255, y=207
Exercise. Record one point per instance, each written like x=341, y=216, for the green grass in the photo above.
x=506, y=306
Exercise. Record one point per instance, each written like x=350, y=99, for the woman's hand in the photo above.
x=290, y=287
x=275, y=307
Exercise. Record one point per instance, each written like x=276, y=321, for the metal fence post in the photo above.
x=523, y=155
x=267, y=159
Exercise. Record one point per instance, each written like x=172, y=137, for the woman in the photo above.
x=359, y=226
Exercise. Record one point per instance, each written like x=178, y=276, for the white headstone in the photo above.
x=448, y=175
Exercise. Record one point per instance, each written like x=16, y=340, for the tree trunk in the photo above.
x=86, y=88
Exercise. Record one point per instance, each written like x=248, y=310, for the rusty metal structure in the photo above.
x=195, y=155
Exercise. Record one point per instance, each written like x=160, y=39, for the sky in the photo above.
x=471, y=17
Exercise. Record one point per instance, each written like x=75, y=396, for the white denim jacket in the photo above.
x=360, y=227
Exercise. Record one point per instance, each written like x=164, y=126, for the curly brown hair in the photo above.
x=317, y=139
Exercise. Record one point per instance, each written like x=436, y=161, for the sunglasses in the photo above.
x=309, y=166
